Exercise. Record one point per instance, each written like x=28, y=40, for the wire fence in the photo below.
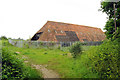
x=47, y=44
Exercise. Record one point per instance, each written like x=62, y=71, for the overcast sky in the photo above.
x=23, y=18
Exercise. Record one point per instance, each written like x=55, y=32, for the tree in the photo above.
x=108, y=8
x=3, y=38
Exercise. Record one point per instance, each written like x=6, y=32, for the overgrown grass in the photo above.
x=94, y=62
x=13, y=67
x=60, y=61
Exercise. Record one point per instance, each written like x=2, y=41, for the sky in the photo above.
x=23, y=18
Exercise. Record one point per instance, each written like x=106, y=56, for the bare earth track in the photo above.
x=45, y=72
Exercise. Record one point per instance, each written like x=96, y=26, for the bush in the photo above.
x=3, y=38
x=14, y=68
x=105, y=59
x=11, y=67
x=58, y=47
x=75, y=49
x=5, y=43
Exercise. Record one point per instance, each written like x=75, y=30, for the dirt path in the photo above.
x=46, y=73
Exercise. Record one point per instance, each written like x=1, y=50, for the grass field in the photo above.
x=58, y=60
x=13, y=66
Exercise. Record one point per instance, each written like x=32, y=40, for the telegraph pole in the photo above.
x=114, y=16
x=114, y=1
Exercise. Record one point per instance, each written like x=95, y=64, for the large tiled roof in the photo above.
x=58, y=31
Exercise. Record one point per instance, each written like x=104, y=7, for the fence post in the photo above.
x=70, y=43
x=37, y=44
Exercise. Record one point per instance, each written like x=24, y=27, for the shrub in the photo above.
x=75, y=49
x=5, y=43
x=45, y=53
x=41, y=43
x=3, y=38
x=26, y=45
x=105, y=59
x=14, y=68
x=11, y=67
x=58, y=47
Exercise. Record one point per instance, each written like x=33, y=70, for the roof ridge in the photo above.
x=73, y=24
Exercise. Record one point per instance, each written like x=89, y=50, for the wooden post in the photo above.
x=114, y=16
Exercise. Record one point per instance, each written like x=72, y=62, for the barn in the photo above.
x=66, y=32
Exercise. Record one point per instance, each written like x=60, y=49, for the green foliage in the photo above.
x=5, y=43
x=45, y=53
x=105, y=59
x=95, y=61
x=14, y=68
x=116, y=35
x=59, y=61
x=11, y=67
x=26, y=53
x=58, y=47
x=110, y=28
x=107, y=55
x=27, y=45
x=3, y=38
x=41, y=43
x=107, y=7
x=75, y=49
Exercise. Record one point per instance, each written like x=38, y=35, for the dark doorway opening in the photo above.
x=36, y=36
